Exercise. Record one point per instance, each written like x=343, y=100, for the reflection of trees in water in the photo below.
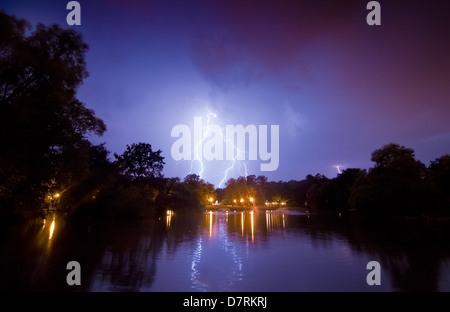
x=33, y=260
x=19, y=255
x=129, y=261
x=122, y=256
x=414, y=272
x=216, y=262
x=412, y=251
x=114, y=256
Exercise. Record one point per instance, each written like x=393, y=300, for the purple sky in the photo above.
x=338, y=88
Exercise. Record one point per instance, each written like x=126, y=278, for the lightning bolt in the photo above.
x=205, y=133
x=233, y=163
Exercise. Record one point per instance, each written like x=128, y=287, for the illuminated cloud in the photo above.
x=337, y=87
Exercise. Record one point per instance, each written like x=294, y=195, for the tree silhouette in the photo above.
x=396, y=184
x=203, y=190
x=43, y=126
x=237, y=189
x=439, y=178
x=140, y=161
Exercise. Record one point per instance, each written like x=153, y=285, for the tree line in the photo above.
x=46, y=160
x=397, y=184
x=48, y=164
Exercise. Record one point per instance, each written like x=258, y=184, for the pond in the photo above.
x=227, y=251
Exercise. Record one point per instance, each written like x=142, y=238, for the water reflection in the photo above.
x=52, y=228
x=128, y=262
x=216, y=262
x=196, y=280
x=347, y=245
x=274, y=221
x=169, y=215
x=210, y=223
x=227, y=251
x=252, y=222
x=252, y=227
x=242, y=223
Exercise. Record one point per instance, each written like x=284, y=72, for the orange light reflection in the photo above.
x=52, y=228
x=242, y=223
x=210, y=223
x=251, y=221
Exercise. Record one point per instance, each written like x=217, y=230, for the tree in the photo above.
x=334, y=194
x=314, y=196
x=439, y=179
x=192, y=178
x=397, y=160
x=43, y=126
x=261, y=183
x=204, y=191
x=396, y=184
x=237, y=189
x=440, y=171
x=139, y=160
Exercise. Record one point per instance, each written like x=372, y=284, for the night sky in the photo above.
x=337, y=87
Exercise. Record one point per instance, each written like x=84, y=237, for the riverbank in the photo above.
x=280, y=208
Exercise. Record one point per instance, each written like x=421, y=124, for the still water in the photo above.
x=227, y=251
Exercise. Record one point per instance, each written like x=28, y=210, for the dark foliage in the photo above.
x=43, y=126
x=47, y=163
